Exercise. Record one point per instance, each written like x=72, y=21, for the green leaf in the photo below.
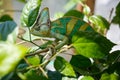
x=87, y=78
x=72, y=4
x=91, y=44
x=34, y=60
x=117, y=68
x=99, y=22
x=80, y=61
x=32, y=16
x=5, y=18
x=114, y=67
x=67, y=78
x=75, y=13
x=30, y=12
x=22, y=67
x=54, y=75
x=116, y=18
x=8, y=31
x=63, y=67
x=23, y=1
x=113, y=57
x=10, y=55
x=114, y=77
x=92, y=70
x=34, y=75
x=86, y=10
x=106, y=76
x=8, y=76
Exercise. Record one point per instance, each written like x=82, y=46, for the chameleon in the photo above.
x=61, y=29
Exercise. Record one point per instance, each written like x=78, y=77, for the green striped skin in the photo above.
x=69, y=26
x=62, y=29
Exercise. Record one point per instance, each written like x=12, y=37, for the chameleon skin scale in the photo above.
x=61, y=29
x=64, y=28
x=68, y=26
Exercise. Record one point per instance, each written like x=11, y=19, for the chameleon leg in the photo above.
x=64, y=40
x=45, y=45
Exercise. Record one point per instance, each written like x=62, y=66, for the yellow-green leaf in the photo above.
x=64, y=67
x=10, y=55
x=91, y=44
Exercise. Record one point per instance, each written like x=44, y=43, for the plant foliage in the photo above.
x=90, y=56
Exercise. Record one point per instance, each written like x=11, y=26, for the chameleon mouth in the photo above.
x=34, y=32
x=39, y=33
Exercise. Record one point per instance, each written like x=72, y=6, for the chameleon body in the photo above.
x=62, y=29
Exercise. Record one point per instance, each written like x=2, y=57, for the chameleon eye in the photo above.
x=37, y=28
x=48, y=22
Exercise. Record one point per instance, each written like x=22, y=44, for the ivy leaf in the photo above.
x=8, y=31
x=106, y=76
x=91, y=44
x=80, y=61
x=10, y=55
x=116, y=18
x=99, y=22
x=54, y=75
x=22, y=66
x=112, y=57
x=30, y=12
x=75, y=13
x=67, y=78
x=64, y=67
x=34, y=60
x=33, y=75
x=5, y=18
x=114, y=67
x=32, y=16
x=87, y=78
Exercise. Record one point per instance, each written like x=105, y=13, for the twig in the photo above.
x=111, y=12
x=116, y=59
x=27, y=61
x=29, y=34
x=55, y=54
x=13, y=10
x=68, y=54
x=27, y=41
x=38, y=52
x=43, y=71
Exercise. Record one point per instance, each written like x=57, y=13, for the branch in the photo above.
x=110, y=15
x=12, y=10
x=38, y=52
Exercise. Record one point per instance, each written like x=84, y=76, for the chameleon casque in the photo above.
x=61, y=29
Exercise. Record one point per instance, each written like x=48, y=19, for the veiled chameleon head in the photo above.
x=42, y=30
x=42, y=24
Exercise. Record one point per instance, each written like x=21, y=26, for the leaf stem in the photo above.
x=27, y=61
x=111, y=12
x=28, y=41
x=55, y=54
x=38, y=52
x=116, y=59
x=43, y=71
x=29, y=34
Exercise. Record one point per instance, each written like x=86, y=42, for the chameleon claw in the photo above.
x=52, y=49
